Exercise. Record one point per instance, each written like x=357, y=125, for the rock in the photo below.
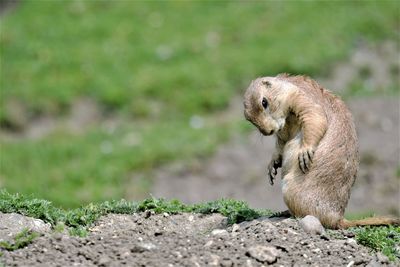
x=226, y=262
x=208, y=244
x=267, y=254
x=148, y=245
x=124, y=253
x=312, y=225
x=316, y=250
x=214, y=261
x=351, y=242
x=235, y=228
x=290, y=231
x=104, y=261
x=195, y=261
x=13, y=223
x=249, y=263
x=147, y=214
x=177, y=254
x=219, y=232
x=143, y=246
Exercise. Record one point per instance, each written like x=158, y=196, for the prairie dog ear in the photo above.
x=267, y=83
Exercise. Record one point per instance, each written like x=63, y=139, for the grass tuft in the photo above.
x=87, y=215
x=236, y=211
x=24, y=238
x=161, y=205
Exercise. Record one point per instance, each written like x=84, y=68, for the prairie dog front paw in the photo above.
x=305, y=157
x=273, y=166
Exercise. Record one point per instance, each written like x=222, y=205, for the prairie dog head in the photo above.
x=265, y=103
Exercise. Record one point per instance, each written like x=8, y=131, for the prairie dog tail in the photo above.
x=380, y=220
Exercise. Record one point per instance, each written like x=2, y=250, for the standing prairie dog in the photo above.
x=316, y=146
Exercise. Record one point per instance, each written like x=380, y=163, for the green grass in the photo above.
x=155, y=65
x=382, y=239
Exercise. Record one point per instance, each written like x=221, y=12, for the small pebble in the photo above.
x=219, y=232
x=208, y=244
x=263, y=253
x=147, y=214
x=235, y=228
x=312, y=225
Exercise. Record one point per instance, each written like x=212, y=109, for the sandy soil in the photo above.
x=193, y=240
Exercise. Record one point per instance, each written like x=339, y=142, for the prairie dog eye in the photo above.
x=264, y=103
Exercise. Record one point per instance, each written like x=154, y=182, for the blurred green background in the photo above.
x=93, y=92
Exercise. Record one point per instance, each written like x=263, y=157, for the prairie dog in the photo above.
x=316, y=146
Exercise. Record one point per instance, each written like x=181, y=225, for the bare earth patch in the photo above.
x=193, y=240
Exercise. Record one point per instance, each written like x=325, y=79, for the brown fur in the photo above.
x=316, y=146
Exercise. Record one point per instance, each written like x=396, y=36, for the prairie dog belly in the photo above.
x=289, y=160
x=310, y=192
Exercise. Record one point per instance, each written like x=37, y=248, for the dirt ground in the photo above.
x=193, y=240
